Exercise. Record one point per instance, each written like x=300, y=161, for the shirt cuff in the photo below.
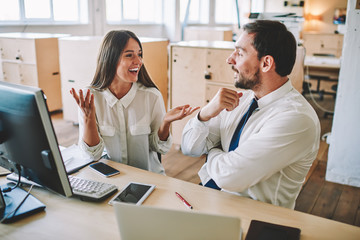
x=162, y=146
x=214, y=151
x=95, y=152
x=198, y=123
x=203, y=175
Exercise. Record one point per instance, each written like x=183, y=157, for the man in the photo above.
x=267, y=158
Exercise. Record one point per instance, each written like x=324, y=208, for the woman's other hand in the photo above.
x=174, y=114
x=179, y=113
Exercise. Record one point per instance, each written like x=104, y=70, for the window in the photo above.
x=225, y=12
x=9, y=10
x=198, y=12
x=257, y=6
x=209, y=11
x=43, y=11
x=38, y=9
x=134, y=11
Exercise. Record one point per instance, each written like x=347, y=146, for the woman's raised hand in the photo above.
x=86, y=103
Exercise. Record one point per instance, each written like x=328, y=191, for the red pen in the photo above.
x=183, y=200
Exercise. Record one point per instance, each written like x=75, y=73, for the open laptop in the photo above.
x=144, y=222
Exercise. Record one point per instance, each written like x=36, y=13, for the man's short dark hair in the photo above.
x=272, y=38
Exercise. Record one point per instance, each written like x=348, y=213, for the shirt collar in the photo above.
x=275, y=95
x=125, y=101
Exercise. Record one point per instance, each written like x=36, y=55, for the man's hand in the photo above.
x=224, y=99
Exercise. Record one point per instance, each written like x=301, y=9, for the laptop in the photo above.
x=144, y=222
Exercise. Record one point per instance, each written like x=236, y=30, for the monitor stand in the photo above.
x=12, y=199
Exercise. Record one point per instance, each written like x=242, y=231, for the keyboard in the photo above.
x=87, y=190
x=91, y=190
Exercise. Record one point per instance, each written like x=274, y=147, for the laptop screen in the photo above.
x=144, y=222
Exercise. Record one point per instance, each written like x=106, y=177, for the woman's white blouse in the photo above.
x=128, y=127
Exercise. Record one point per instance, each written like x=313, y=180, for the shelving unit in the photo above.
x=33, y=59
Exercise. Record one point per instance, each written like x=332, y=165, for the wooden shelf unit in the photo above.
x=33, y=59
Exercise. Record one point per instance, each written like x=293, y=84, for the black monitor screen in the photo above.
x=27, y=138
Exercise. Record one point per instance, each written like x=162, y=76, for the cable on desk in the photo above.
x=9, y=189
x=20, y=204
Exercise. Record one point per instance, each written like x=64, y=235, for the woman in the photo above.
x=123, y=111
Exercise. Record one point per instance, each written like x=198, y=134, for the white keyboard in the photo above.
x=91, y=190
x=83, y=188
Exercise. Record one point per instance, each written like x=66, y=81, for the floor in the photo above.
x=318, y=197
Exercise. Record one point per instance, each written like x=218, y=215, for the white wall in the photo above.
x=344, y=152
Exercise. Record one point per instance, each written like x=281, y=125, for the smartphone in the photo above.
x=104, y=169
x=259, y=230
x=134, y=193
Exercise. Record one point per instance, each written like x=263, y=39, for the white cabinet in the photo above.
x=197, y=70
x=32, y=59
x=78, y=56
x=208, y=33
x=323, y=43
x=78, y=59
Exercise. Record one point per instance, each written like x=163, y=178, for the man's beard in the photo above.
x=247, y=82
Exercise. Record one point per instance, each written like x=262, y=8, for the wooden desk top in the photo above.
x=322, y=62
x=71, y=218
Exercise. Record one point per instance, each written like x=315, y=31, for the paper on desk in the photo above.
x=4, y=171
x=74, y=158
x=322, y=60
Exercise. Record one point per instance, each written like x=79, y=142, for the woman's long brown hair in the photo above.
x=111, y=49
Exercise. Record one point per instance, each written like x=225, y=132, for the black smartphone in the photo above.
x=134, y=193
x=260, y=230
x=104, y=169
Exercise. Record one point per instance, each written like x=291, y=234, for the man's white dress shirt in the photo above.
x=276, y=148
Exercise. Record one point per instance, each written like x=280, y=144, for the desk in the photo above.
x=70, y=218
x=324, y=69
x=322, y=62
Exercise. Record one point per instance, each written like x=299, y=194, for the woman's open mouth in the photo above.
x=134, y=71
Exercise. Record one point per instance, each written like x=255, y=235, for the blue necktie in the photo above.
x=235, y=139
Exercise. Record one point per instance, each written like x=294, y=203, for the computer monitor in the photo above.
x=27, y=138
